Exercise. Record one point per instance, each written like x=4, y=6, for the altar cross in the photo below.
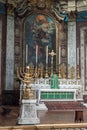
x=52, y=54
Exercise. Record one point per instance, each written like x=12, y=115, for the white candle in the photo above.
x=46, y=54
x=59, y=54
x=86, y=61
x=26, y=53
x=77, y=56
x=36, y=53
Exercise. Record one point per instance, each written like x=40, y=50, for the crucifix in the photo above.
x=52, y=54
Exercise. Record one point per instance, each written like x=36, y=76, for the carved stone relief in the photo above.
x=41, y=4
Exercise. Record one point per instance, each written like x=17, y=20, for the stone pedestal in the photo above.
x=42, y=106
x=28, y=113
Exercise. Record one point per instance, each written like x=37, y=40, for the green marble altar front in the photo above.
x=57, y=95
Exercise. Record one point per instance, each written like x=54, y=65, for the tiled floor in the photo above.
x=46, y=117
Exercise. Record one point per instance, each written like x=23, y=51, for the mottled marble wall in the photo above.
x=0, y=51
x=82, y=46
x=10, y=54
x=62, y=43
x=72, y=44
x=85, y=37
x=83, y=60
x=82, y=55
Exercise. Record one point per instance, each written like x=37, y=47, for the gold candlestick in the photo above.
x=78, y=73
x=46, y=75
x=26, y=77
x=36, y=72
x=59, y=75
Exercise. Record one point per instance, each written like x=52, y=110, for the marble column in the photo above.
x=0, y=51
x=82, y=58
x=72, y=44
x=10, y=53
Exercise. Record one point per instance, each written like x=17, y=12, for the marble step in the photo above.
x=64, y=105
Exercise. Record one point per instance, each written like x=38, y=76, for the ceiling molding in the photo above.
x=66, y=5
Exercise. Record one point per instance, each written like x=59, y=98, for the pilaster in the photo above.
x=0, y=51
x=83, y=57
x=72, y=44
x=10, y=49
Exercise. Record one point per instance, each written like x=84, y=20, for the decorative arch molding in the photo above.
x=23, y=8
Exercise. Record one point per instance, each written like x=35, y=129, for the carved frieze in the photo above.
x=10, y=9
x=23, y=7
x=41, y=4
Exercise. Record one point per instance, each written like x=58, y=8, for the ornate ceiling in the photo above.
x=68, y=5
x=57, y=7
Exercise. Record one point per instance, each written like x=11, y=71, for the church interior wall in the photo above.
x=61, y=41
x=80, y=26
x=19, y=51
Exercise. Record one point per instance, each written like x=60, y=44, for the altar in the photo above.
x=54, y=85
x=68, y=90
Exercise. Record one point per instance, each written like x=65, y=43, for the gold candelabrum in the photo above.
x=25, y=76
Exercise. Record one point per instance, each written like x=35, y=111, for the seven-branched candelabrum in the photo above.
x=25, y=76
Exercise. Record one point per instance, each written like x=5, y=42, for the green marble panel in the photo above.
x=56, y=95
x=51, y=95
x=43, y=95
x=69, y=95
x=63, y=95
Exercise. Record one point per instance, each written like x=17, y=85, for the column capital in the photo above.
x=10, y=9
x=72, y=16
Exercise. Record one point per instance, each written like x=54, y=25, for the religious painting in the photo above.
x=40, y=39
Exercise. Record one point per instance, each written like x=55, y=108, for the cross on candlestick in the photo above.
x=52, y=54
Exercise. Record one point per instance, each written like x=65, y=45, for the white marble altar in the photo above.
x=42, y=83
x=28, y=112
x=66, y=86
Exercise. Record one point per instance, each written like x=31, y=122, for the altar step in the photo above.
x=64, y=105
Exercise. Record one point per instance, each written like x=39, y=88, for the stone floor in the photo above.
x=46, y=117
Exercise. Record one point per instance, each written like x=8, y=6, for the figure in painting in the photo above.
x=40, y=31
